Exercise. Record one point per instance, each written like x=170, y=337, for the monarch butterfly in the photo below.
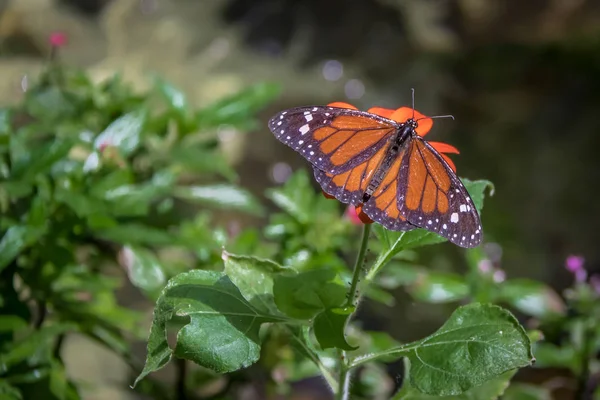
x=379, y=162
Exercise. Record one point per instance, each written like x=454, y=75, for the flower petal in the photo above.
x=341, y=104
x=404, y=113
x=444, y=147
x=449, y=162
x=362, y=216
x=382, y=112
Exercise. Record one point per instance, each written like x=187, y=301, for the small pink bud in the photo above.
x=58, y=39
x=499, y=276
x=574, y=263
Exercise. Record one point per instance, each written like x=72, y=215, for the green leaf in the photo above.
x=239, y=107
x=526, y=391
x=439, y=287
x=532, y=298
x=27, y=346
x=143, y=268
x=549, y=355
x=254, y=278
x=305, y=294
x=490, y=390
x=136, y=234
x=175, y=98
x=16, y=239
x=295, y=197
x=395, y=242
x=193, y=159
x=123, y=133
x=39, y=160
x=477, y=190
x=221, y=332
x=222, y=196
x=329, y=327
x=11, y=323
x=476, y=344
x=9, y=392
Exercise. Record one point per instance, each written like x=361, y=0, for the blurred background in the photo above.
x=521, y=78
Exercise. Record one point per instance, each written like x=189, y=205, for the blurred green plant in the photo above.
x=94, y=185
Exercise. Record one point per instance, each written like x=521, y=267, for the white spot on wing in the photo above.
x=454, y=218
x=463, y=208
x=304, y=128
x=309, y=117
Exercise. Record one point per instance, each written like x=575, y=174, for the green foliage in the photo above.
x=89, y=174
x=305, y=300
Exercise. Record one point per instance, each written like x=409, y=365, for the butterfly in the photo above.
x=379, y=162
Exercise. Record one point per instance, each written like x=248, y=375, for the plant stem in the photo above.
x=343, y=392
x=181, y=368
x=360, y=259
x=353, y=299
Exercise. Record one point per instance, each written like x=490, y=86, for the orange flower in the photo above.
x=400, y=115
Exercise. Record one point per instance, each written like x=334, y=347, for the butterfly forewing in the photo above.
x=431, y=196
x=334, y=140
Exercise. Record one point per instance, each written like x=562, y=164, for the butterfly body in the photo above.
x=384, y=166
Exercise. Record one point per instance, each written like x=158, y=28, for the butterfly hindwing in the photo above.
x=431, y=196
x=332, y=139
x=349, y=187
x=382, y=207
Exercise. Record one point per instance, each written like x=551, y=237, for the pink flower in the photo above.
x=352, y=215
x=499, y=276
x=574, y=263
x=58, y=39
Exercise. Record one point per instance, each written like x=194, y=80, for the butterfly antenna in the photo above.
x=413, y=102
x=438, y=116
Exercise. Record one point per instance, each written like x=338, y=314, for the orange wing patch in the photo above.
x=349, y=186
x=383, y=204
x=428, y=181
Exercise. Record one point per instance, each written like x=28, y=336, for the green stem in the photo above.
x=360, y=259
x=343, y=392
x=353, y=299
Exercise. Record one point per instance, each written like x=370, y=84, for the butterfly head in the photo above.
x=411, y=122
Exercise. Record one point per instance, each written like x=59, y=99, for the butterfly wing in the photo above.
x=431, y=196
x=349, y=186
x=382, y=207
x=333, y=139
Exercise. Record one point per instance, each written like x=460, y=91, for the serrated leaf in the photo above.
x=254, y=278
x=221, y=332
x=305, y=294
x=222, y=196
x=476, y=344
x=490, y=390
x=143, y=269
x=123, y=133
x=532, y=298
x=329, y=327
